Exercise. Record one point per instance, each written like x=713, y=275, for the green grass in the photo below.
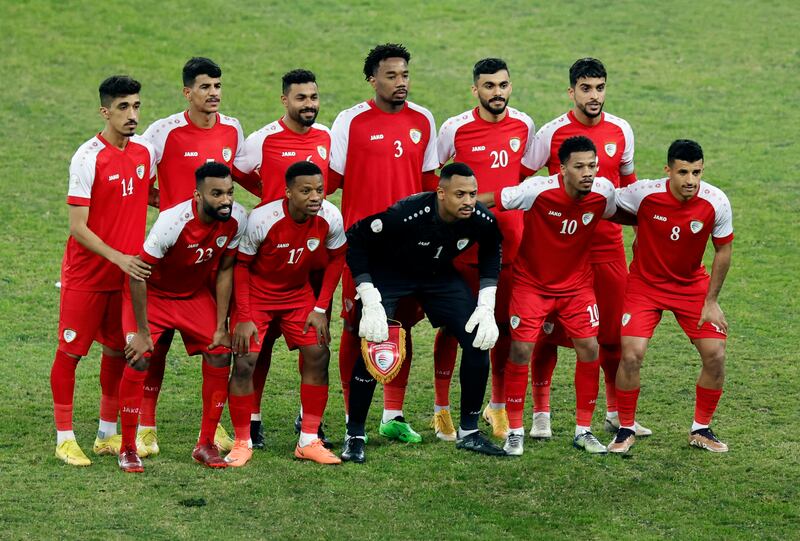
x=724, y=73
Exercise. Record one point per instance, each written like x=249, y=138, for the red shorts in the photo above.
x=408, y=311
x=86, y=316
x=610, y=279
x=471, y=276
x=577, y=313
x=289, y=321
x=642, y=313
x=195, y=317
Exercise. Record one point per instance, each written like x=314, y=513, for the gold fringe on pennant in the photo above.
x=401, y=349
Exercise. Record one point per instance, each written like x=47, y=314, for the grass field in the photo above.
x=723, y=73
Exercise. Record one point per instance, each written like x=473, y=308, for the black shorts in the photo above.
x=447, y=299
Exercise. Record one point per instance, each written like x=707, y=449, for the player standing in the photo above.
x=183, y=142
x=491, y=139
x=187, y=245
x=285, y=240
x=676, y=216
x=552, y=274
x=382, y=150
x=268, y=154
x=109, y=177
x=613, y=138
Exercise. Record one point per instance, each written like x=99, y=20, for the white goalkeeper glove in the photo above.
x=373, y=324
x=483, y=318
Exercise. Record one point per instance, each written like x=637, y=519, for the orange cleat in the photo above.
x=240, y=454
x=206, y=453
x=316, y=452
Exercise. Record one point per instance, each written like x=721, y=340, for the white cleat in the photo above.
x=589, y=443
x=541, y=426
x=513, y=445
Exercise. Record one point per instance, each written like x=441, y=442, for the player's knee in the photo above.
x=587, y=350
x=631, y=359
x=112, y=352
x=714, y=363
x=520, y=352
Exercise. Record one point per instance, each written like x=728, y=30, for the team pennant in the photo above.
x=384, y=359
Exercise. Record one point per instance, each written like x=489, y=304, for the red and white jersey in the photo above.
x=493, y=150
x=554, y=255
x=381, y=156
x=613, y=138
x=114, y=184
x=184, y=251
x=672, y=235
x=273, y=148
x=181, y=147
x=283, y=253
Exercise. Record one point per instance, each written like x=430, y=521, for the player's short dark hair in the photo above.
x=297, y=77
x=382, y=52
x=117, y=86
x=200, y=65
x=211, y=169
x=586, y=67
x=488, y=66
x=578, y=143
x=301, y=169
x=455, y=168
x=684, y=149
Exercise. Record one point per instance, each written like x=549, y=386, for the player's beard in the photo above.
x=214, y=212
x=591, y=115
x=494, y=109
x=307, y=122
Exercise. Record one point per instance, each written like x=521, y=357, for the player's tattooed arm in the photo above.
x=224, y=287
x=141, y=342
x=712, y=312
x=79, y=230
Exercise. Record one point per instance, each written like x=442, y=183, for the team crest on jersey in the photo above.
x=376, y=225
x=227, y=154
x=548, y=327
x=322, y=151
x=586, y=218
x=415, y=134
x=312, y=243
x=140, y=170
x=626, y=318
x=695, y=226
x=462, y=243
x=129, y=337
x=611, y=149
x=514, y=143
x=69, y=335
x=221, y=241
x=515, y=322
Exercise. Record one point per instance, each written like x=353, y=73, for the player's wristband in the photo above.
x=319, y=310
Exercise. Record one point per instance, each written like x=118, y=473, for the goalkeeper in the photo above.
x=408, y=250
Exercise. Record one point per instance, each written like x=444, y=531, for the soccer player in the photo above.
x=676, y=216
x=187, y=245
x=408, y=250
x=552, y=274
x=268, y=154
x=109, y=177
x=491, y=139
x=382, y=150
x=285, y=240
x=183, y=142
x=613, y=138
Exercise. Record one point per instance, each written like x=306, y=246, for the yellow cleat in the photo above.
x=69, y=452
x=147, y=442
x=442, y=425
x=222, y=440
x=498, y=420
x=107, y=446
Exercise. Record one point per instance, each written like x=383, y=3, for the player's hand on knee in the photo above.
x=319, y=321
x=712, y=313
x=221, y=338
x=241, y=337
x=483, y=319
x=373, y=325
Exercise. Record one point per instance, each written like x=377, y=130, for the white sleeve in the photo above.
x=81, y=175
x=723, y=218
x=538, y=153
x=607, y=190
x=630, y=198
x=522, y=196
x=445, y=143
x=626, y=165
x=240, y=146
x=431, y=159
x=164, y=233
x=340, y=133
x=156, y=135
x=240, y=215
x=336, y=237
x=250, y=158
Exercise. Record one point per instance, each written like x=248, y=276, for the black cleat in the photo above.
x=298, y=425
x=478, y=443
x=257, y=434
x=353, y=450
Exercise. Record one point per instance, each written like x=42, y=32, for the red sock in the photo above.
x=260, y=377
x=215, y=393
x=445, y=350
x=62, y=383
x=349, y=351
x=626, y=402
x=516, y=386
x=543, y=364
x=152, y=384
x=110, y=375
x=609, y=362
x=240, y=406
x=394, y=392
x=499, y=356
x=705, y=405
x=587, y=385
x=314, y=398
x=131, y=389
